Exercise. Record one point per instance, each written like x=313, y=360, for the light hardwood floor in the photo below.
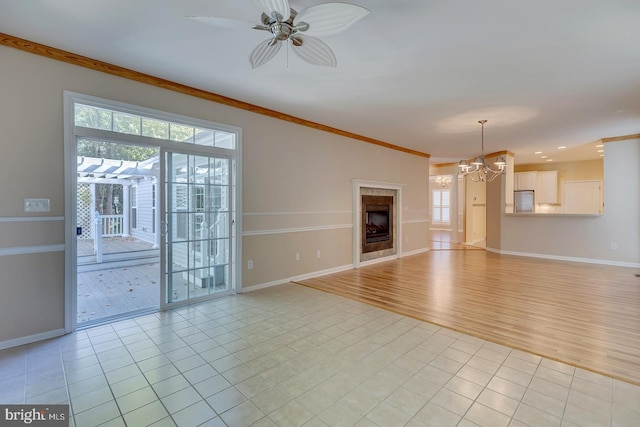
x=586, y=315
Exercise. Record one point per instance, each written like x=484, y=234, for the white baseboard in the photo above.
x=295, y=278
x=566, y=258
x=31, y=339
x=414, y=252
x=378, y=260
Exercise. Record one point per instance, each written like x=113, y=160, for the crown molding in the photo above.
x=621, y=138
x=94, y=64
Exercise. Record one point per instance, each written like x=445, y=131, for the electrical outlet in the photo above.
x=250, y=264
x=37, y=205
x=297, y=257
x=318, y=253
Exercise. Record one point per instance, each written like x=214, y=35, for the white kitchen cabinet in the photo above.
x=524, y=181
x=547, y=187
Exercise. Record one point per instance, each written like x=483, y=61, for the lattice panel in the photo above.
x=85, y=210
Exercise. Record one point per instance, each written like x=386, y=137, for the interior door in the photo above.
x=196, y=241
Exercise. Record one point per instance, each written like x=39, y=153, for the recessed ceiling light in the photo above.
x=599, y=145
x=562, y=147
x=600, y=151
x=549, y=160
x=538, y=152
x=601, y=155
x=543, y=157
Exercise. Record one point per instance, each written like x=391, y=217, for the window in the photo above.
x=134, y=207
x=440, y=203
x=93, y=117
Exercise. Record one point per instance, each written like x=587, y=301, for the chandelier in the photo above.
x=478, y=170
x=443, y=180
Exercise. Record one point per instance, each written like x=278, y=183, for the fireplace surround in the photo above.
x=376, y=222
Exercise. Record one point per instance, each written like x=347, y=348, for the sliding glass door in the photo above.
x=198, y=223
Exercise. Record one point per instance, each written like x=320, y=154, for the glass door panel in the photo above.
x=197, y=242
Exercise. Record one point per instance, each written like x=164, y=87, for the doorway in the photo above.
x=118, y=256
x=153, y=210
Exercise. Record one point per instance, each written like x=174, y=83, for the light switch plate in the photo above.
x=37, y=205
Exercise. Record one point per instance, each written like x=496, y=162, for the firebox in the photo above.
x=377, y=223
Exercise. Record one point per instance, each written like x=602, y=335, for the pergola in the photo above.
x=93, y=170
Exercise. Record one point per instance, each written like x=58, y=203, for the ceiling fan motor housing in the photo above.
x=281, y=29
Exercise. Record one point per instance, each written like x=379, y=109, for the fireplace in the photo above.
x=377, y=223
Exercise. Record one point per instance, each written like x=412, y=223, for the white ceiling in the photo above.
x=415, y=73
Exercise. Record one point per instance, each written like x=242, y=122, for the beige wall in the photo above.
x=311, y=186
x=297, y=186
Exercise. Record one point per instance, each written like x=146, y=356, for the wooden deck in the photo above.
x=113, y=245
x=126, y=284
x=586, y=315
x=115, y=291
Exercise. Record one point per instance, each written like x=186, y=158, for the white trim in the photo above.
x=295, y=278
x=31, y=339
x=30, y=218
x=70, y=207
x=566, y=258
x=417, y=221
x=414, y=252
x=236, y=240
x=295, y=230
x=379, y=260
x=297, y=213
x=25, y=250
x=377, y=184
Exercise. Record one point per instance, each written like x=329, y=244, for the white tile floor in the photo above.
x=293, y=356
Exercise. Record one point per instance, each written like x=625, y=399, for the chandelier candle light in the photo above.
x=478, y=170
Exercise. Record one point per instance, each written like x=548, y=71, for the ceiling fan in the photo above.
x=301, y=29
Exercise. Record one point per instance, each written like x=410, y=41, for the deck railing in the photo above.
x=112, y=225
x=105, y=226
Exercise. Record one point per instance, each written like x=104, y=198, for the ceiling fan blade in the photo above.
x=264, y=52
x=315, y=51
x=280, y=6
x=233, y=24
x=330, y=18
